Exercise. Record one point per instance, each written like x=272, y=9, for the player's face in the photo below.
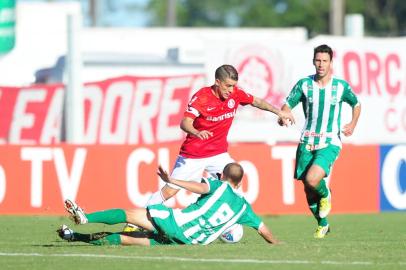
x=323, y=64
x=225, y=88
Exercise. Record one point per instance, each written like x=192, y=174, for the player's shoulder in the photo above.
x=239, y=90
x=212, y=182
x=204, y=91
x=339, y=80
x=305, y=80
x=203, y=95
x=241, y=94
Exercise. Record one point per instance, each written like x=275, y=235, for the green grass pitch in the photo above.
x=368, y=241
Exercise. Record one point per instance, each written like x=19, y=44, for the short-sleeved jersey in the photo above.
x=203, y=221
x=213, y=114
x=322, y=109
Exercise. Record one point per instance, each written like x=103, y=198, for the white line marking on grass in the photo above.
x=183, y=259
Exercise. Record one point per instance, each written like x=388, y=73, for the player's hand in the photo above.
x=285, y=118
x=347, y=130
x=163, y=174
x=204, y=134
x=276, y=242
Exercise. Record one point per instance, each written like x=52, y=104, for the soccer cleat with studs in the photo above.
x=76, y=213
x=130, y=228
x=65, y=233
x=321, y=231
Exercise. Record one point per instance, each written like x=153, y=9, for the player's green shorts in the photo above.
x=306, y=157
x=168, y=232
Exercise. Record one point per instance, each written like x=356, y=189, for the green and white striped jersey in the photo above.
x=322, y=109
x=203, y=221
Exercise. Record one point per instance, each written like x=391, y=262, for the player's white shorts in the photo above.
x=193, y=169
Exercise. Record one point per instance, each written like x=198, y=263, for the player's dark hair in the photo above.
x=226, y=71
x=323, y=49
x=233, y=172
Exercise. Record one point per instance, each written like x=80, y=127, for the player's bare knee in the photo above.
x=312, y=181
x=132, y=215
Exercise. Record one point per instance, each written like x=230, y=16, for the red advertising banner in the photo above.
x=36, y=179
x=123, y=110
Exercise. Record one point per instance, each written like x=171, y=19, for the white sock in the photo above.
x=156, y=198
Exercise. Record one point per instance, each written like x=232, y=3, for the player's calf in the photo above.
x=325, y=205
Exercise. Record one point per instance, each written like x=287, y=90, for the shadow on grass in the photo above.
x=94, y=238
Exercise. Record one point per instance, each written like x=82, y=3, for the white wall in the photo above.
x=40, y=39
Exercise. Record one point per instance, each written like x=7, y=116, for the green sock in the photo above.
x=322, y=222
x=82, y=237
x=322, y=189
x=111, y=239
x=100, y=238
x=111, y=216
x=315, y=211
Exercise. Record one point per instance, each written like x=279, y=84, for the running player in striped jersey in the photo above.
x=322, y=96
x=217, y=209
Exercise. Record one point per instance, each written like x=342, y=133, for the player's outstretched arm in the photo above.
x=267, y=234
x=285, y=115
x=199, y=188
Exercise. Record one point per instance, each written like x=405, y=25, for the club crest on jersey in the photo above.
x=231, y=103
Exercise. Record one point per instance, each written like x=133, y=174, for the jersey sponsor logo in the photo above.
x=231, y=103
x=221, y=117
x=308, y=133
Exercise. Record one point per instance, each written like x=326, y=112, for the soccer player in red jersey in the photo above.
x=207, y=120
